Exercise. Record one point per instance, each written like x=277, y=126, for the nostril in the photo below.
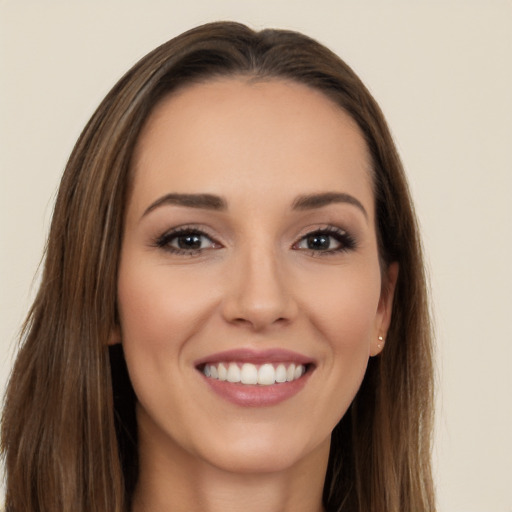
x=259, y=322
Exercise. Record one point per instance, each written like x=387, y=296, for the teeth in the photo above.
x=290, y=373
x=233, y=373
x=222, y=371
x=266, y=375
x=281, y=373
x=247, y=373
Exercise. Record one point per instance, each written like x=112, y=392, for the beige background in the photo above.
x=442, y=74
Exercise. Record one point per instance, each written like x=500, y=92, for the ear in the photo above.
x=384, y=309
x=115, y=336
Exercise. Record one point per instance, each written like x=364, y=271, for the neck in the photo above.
x=175, y=481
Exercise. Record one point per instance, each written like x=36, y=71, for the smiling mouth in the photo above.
x=266, y=374
x=256, y=378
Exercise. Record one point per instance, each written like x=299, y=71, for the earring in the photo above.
x=381, y=342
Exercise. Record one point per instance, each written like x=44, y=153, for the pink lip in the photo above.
x=257, y=396
x=245, y=395
x=255, y=357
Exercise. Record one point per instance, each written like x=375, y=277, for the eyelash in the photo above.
x=345, y=240
x=164, y=241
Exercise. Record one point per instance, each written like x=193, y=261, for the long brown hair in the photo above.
x=68, y=429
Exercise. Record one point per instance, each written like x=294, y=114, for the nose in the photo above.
x=259, y=294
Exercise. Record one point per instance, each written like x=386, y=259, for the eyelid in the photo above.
x=304, y=239
x=163, y=241
x=346, y=241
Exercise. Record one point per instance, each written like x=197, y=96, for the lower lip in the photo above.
x=245, y=395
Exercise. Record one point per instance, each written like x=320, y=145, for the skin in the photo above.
x=256, y=283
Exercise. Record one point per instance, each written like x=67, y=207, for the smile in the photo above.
x=256, y=378
x=251, y=374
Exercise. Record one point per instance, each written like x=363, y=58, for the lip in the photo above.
x=244, y=355
x=244, y=395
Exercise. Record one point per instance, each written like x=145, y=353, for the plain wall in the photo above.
x=441, y=71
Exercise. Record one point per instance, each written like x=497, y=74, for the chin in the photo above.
x=259, y=454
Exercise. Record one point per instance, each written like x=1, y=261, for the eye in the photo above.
x=327, y=240
x=186, y=241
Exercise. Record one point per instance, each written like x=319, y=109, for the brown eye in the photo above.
x=191, y=241
x=320, y=242
x=329, y=241
x=186, y=241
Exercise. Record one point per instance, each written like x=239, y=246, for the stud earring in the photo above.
x=381, y=342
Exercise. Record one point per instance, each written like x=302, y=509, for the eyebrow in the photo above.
x=203, y=201
x=217, y=203
x=313, y=201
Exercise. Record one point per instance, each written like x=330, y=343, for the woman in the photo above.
x=233, y=308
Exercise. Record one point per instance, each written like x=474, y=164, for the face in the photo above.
x=249, y=286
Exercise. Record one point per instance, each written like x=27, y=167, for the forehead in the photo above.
x=227, y=135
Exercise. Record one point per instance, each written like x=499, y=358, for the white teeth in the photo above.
x=247, y=373
x=222, y=371
x=266, y=375
x=281, y=373
x=233, y=373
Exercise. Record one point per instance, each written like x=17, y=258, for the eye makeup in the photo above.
x=325, y=241
x=192, y=241
x=186, y=241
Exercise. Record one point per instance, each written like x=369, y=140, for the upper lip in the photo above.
x=244, y=355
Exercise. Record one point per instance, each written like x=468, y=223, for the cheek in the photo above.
x=160, y=310
x=344, y=316
x=157, y=306
x=345, y=307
